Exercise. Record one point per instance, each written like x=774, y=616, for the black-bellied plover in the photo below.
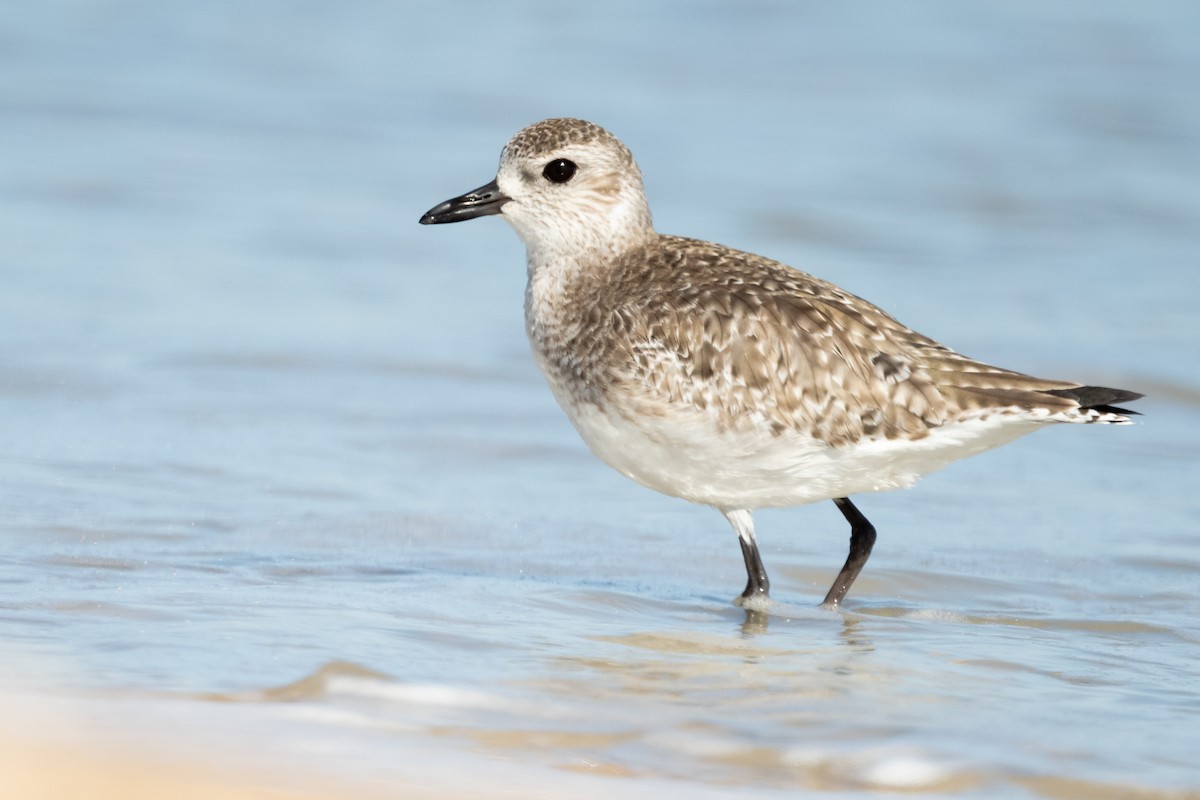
x=729, y=379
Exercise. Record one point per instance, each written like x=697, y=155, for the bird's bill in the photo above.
x=480, y=202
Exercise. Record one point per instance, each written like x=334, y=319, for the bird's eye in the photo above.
x=560, y=170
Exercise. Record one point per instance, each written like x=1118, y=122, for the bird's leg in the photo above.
x=862, y=539
x=757, y=584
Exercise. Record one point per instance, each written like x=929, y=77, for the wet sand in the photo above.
x=50, y=772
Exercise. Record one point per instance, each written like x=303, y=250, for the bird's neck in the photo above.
x=566, y=273
x=558, y=281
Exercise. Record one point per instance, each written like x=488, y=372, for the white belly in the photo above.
x=686, y=455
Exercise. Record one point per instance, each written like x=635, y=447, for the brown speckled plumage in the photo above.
x=751, y=341
x=727, y=378
x=554, y=135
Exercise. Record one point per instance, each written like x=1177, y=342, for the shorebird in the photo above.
x=726, y=378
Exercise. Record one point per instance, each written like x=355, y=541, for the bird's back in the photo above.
x=680, y=323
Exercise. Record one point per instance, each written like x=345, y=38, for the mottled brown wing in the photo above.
x=767, y=345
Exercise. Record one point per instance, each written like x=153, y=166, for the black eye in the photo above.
x=559, y=170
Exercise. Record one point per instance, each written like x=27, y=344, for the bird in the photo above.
x=729, y=379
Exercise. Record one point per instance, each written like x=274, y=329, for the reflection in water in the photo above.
x=854, y=633
x=756, y=623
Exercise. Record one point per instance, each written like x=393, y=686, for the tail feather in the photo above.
x=1099, y=398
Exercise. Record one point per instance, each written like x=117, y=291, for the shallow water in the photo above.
x=282, y=486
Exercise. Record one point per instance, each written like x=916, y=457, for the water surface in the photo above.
x=281, y=485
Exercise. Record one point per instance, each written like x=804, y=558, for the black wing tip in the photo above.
x=1100, y=398
x=1125, y=412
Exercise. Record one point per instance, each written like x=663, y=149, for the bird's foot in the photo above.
x=753, y=600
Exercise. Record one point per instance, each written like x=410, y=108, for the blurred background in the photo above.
x=260, y=427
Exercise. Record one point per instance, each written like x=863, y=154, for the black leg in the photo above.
x=862, y=539
x=756, y=574
x=757, y=585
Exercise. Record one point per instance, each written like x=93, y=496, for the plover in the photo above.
x=729, y=379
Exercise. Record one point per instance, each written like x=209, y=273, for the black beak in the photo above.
x=483, y=201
